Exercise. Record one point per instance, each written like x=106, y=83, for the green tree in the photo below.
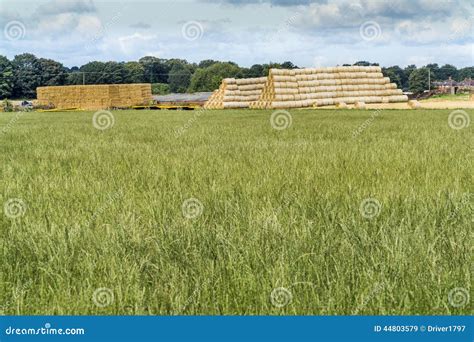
x=256, y=70
x=434, y=71
x=160, y=88
x=6, y=77
x=418, y=80
x=207, y=63
x=271, y=65
x=396, y=75
x=209, y=79
x=408, y=70
x=93, y=72
x=447, y=71
x=74, y=77
x=52, y=73
x=156, y=69
x=243, y=73
x=27, y=71
x=179, y=78
x=114, y=73
x=135, y=72
x=465, y=73
x=288, y=65
x=365, y=63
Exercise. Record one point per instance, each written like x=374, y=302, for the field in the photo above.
x=449, y=97
x=166, y=212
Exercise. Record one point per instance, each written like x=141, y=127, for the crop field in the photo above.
x=236, y=212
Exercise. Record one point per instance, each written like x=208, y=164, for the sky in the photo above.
x=307, y=33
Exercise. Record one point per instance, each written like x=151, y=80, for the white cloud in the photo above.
x=87, y=24
x=325, y=32
x=54, y=7
x=136, y=42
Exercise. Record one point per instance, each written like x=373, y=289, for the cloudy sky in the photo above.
x=308, y=33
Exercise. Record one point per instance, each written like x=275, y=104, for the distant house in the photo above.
x=451, y=86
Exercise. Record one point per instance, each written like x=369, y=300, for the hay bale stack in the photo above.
x=236, y=93
x=94, y=97
x=327, y=86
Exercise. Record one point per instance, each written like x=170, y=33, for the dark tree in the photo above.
x=209, y=79
x=135, y=72
x=93, y=73
x=156, y=70
x=288, y=65
x=207, y=63
x=447, y=71
x=6, y=77
x=52, y=73
x=419, y=80
x=396, y=75
x=179, y=78
x=466, y=73
x=434, y=71
x=27, y=70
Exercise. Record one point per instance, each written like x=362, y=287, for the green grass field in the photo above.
x=343, y=212
x=449, y=97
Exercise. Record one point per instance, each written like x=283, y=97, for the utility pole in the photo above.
x=83, y=78
x=429, y=79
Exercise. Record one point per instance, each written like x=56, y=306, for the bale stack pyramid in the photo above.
x=299, y=88
x=338, y=86
x=236, y=93
x=95, y=97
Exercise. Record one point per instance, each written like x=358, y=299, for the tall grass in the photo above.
x=231, y=216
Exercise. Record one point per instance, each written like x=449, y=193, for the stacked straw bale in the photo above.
x=236, y=93
x=93, y=97
x=338, y=86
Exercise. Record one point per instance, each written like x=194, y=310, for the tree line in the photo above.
x=20, y=76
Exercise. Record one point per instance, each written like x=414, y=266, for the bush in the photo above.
x=7, y=106
x=160, y=89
